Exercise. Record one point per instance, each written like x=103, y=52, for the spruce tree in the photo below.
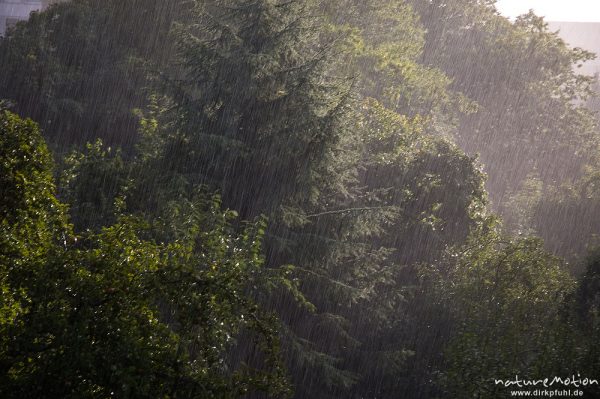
x=258, y=115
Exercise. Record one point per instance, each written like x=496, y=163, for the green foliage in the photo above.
x=256, y=113
x=255, y=105
x=438, y=189
x=119, y=313
x=81, y=66
x=420, y=195
x=91, y=182
x=554, y=216
x=506, y=297
x=398, y=275
x=522, y=205
x=383, y=41
x=32, y=220
x=584, y=319
x=531, y=116
x=411, y=195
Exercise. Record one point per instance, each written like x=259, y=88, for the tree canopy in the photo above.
x=290, y=198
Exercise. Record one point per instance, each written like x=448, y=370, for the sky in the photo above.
x=553, y=10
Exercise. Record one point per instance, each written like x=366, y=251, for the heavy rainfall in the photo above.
x=355, y=199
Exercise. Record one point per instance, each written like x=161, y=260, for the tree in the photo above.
x=32, y=220
x=80, y=67
x=506, y=298
x=364, y=190
x=583, y=320
x=258, y=115
x=531, y=117
x=119, y=312
x=415, y=195
x=255, y=104
x=92, y=181
x=433, y=195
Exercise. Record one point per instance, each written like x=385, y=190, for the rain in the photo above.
x=354, y=199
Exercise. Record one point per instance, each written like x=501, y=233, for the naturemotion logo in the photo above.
x=573, y=381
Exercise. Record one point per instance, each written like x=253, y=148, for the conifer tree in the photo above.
x=258, y=116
